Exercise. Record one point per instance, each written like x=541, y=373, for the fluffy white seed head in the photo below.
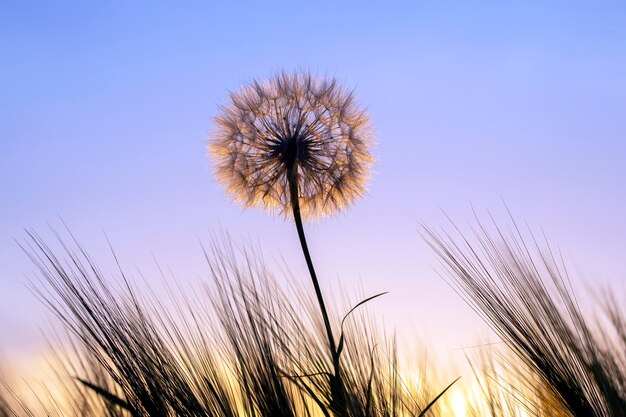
x=293, y=121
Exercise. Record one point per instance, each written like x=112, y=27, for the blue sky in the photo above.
x=106, y=108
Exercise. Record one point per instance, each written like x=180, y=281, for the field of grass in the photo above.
x=243, y=345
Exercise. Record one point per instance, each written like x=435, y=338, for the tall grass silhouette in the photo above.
x=521, y=287
x=242, y=346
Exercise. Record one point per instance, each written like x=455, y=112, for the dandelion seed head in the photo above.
x=293, y=121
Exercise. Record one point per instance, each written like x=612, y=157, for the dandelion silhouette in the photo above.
x=293, y=130
x=295, y=143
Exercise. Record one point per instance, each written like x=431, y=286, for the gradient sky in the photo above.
x=106, y=108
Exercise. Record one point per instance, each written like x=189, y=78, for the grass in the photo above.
x=522, y=289
x=240, y=346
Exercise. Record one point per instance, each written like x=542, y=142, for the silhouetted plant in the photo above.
x=296, y=143
x=244, y=347
x=124, y=339
x=293, y=142
x=524, y=293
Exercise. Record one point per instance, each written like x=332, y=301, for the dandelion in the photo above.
x=291, y=136
x=300, y=144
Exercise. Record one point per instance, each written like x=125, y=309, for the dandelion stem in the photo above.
x=295, y=204
x=338, y=402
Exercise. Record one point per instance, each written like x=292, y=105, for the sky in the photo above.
x=106, y=109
